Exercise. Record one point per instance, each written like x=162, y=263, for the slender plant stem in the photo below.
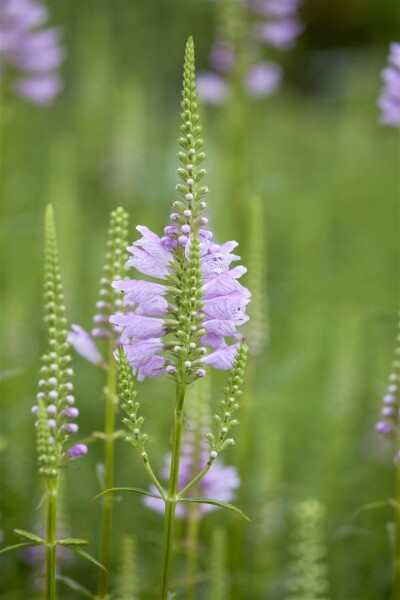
x=153, y=478
x=193, y=532
x=106, y=526
x=50, y=585
x=171, y=500
x=196, y=480
x=396, y=558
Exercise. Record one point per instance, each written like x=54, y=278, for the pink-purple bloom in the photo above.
x=389, y=99
x=84, y=345
x=274, y=24
x=34, y=55
x=144, y=323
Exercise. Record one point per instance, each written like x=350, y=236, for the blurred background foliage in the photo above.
x=327, y=175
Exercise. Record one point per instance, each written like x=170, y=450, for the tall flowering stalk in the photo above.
x=55, y=412
x=245, y=28
x=108, y=303
x=171, y=325
x=389, y=426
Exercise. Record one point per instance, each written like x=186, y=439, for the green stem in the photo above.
x=153, y=477
x=50, y=584
x=171, y=500
x=109, y=426
x=193, y=532
x=196, y=480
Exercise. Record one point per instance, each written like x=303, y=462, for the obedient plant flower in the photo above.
x=109, y=298
x=389, y=424
x=31, y=55
x=55, y=407
x=181, y=320
x=196, y=303
x=273, y=24
x=389, y=99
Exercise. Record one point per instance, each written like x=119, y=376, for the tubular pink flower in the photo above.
x=224, y=302
x=84, y=345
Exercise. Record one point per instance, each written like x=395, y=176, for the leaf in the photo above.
x=18, y=546
x=372, y=506
x=216, y=503
x=75, y=586
x=72, y=542
x=30, y=536
x=171, y=596
x=128, y=489
x=86, y=555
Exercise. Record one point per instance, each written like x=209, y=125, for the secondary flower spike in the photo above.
x=189, y=317
x=55, y=408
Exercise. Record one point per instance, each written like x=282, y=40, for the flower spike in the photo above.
x=230, y=404
x=55, y=397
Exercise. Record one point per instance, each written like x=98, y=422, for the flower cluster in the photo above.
x=389, y=99
x=55, y=408
x=390, y=413
x=109, y=298
x=199, y=301
x=273, y=23
x=36, y=53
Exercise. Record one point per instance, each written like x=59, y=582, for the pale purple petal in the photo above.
x=229, y=307
x=276, y=8
x=221, y=285
x=77, y=451
x=149, y=255
x=142, y=352
x=263, y=79
x=281, y=34
x=138, y=327
x=212, y=89
x=221, y=359
x=389, y=99
x=394, y=54
x=82, y=342
x=222, y=57
x=40, y=89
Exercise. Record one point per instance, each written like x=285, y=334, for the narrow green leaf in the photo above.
x=372, y=506
x=30, y=536
x=216, y=503
x=18, y=546
x=128, y=489
x=72, y=542
x=86, y=555
x=75, y=586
